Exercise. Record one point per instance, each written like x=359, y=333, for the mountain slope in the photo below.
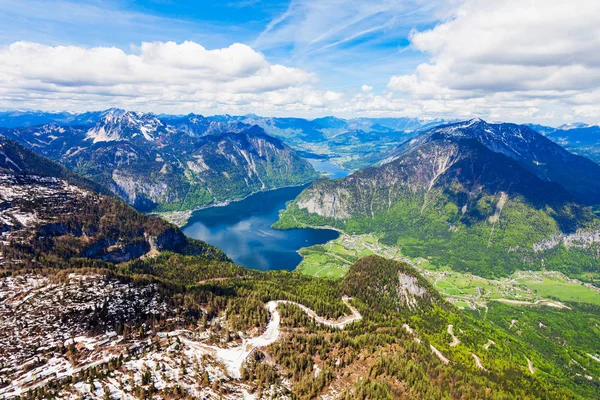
x=156, y=166
x=88, y=333
x=453, y=200
x=17, y=159
x=49, y=216
x=538, y=154
x=579, y=139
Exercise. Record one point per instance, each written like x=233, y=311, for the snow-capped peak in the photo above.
x=575, y=125
x=117, y=124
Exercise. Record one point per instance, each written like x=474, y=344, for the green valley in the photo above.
x=333, y=259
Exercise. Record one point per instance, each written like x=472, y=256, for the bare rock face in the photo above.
x=583, y=239
x=328, y=204
x=409, y=290
x=136, y=190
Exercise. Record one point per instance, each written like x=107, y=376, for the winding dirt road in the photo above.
x=478, y=362
x=233, y=357
x=455, y=341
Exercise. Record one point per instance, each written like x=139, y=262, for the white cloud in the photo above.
x=510, y=59
x=157, y=75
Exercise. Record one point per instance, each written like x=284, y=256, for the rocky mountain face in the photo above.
x=463, y=195
x=48, y=216
x=120, y=125
x=352, y=143
x=175, y=164
x=536, y=153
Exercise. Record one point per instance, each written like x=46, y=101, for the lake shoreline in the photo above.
x=243, y=230
x=181, y=218
x=177, y=217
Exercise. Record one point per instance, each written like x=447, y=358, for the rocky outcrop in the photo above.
x=583, y=239
x=409, y=290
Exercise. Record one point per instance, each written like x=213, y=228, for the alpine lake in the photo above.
x=242, y=229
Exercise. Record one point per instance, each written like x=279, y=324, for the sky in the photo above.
x=519, y=61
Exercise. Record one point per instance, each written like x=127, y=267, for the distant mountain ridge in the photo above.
x=578, y=138
x=178, y=164
x=353, y=143
x=315, y=129
x=20, y=119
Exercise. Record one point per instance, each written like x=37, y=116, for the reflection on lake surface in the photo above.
x=243, y=231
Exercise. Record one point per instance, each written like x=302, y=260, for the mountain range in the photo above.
x=484, y=198
x=174, y=166
x=50, y=216
x=353, y=143
x=578, y=138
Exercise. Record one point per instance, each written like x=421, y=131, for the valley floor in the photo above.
x=333, y=259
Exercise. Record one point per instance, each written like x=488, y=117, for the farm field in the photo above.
x=333, y=259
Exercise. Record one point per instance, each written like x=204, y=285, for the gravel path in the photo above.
x=233, y=357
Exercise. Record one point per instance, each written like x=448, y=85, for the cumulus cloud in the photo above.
x=522, y=58
x=158, y=74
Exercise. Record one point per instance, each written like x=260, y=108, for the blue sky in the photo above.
x=451, y=58
x=363, y=52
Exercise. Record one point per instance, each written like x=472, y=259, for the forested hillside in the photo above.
x=408, y=342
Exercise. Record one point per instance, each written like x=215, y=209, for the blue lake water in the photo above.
x=328, y=168
x=243, y=231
